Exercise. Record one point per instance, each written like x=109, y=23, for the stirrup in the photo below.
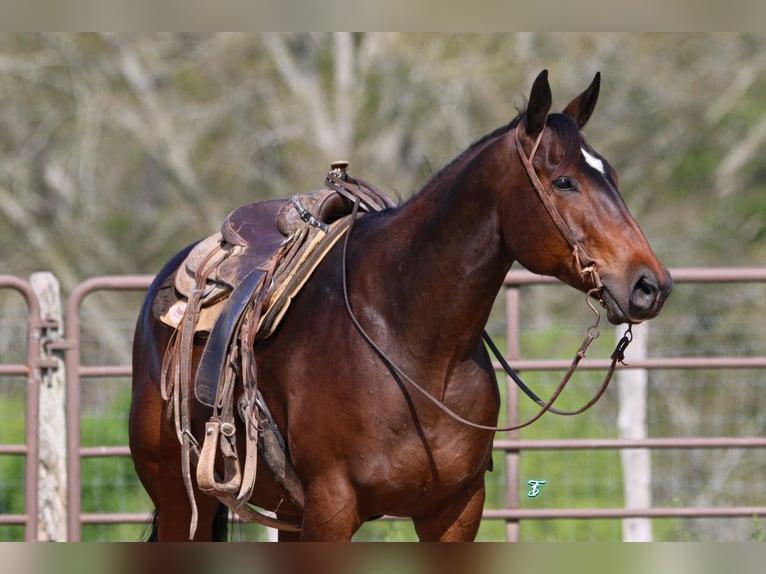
x=232, y=477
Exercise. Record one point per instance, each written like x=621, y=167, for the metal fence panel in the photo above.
x=30, y=369
x=511, y=445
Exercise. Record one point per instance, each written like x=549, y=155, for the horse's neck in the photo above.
x=445, y=260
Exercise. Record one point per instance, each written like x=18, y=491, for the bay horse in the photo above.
x=421, y=279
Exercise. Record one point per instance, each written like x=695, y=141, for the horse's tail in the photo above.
x=152, y=529
x=220, y=526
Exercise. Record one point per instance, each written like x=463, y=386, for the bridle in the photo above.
x=346, y=186
x=578, y=251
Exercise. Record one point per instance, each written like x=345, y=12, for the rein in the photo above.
x=347, y=188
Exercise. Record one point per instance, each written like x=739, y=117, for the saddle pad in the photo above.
x=207, y=315
x=202, y=254
x=288, y=283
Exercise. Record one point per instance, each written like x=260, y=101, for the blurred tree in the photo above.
x=117, y=149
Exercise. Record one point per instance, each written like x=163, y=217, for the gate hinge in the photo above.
x=60, y=344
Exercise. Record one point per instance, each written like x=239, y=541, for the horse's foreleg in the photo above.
x=455, y=522
x=330, y=512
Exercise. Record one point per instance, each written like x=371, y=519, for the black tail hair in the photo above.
x=152, y=528
x=220, y=526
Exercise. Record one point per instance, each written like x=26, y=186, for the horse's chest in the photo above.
x=414, y=470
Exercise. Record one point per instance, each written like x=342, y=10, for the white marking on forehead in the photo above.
x=593, y=161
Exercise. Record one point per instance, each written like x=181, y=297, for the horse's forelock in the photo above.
x=569, y=135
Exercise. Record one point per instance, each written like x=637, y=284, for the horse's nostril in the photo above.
x=647, y=286
x=644, y=292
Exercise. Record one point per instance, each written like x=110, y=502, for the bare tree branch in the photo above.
x=727, y=176
x=305, y=85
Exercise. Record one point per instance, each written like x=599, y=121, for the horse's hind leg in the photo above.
x=154, y=442
x=174, y=517
x=288, y=536
x=458, y=521
x=157, y=459
x=164, y=483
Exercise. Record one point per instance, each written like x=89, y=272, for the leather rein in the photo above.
x=347, y=186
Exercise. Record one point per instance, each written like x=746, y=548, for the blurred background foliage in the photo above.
x=118, y=149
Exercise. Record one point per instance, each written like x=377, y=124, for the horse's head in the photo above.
x=578, y=226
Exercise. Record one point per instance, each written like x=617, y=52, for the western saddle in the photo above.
x=231, y=291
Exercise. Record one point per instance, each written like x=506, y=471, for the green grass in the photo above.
x=110, y=484
x=12, y=408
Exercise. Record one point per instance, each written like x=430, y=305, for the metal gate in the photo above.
x=75, y=373
x=31, y=370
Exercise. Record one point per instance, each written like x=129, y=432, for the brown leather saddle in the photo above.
x=268, y=239
x=263, y=254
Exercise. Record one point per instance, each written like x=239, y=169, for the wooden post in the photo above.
x=52, y=456
x=631, y=421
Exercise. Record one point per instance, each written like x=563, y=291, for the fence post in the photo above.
x=51, y=525
x=631, y=422
x=512, y=458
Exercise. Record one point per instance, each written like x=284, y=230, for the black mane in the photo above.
x=564, y=127
x=470, y=151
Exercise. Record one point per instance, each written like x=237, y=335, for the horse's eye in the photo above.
x=566, y=184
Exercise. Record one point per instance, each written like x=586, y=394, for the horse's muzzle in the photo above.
x=648, y=294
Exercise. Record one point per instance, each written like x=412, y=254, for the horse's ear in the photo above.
x=539, y=104
x=582, y=106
